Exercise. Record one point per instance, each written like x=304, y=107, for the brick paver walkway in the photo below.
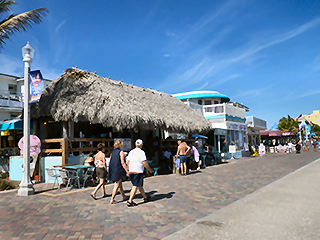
x=177, y=202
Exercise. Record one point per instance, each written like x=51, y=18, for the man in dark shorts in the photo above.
x=137, y=161
x=182, y=151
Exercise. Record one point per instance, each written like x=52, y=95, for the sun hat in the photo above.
x=139, y=142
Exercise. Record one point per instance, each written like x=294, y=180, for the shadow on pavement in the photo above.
x=156, y=197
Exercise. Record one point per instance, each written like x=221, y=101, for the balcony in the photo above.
x=256, y=122
x=10, y=100
x=226, y=110
x=195, y=106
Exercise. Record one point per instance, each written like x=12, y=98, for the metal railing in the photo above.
x=218, y=109
x=10, y=100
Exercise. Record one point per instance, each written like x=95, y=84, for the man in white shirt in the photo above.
x=137, y=161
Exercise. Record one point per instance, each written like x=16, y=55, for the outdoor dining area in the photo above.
x=80, y=109
x=70, y=173
x=276, y=141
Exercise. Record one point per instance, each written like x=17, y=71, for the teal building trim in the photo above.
x=224, y=98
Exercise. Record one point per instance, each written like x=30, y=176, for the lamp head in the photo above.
x=27, y=51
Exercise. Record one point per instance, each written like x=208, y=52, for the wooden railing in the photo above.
x=66, y=146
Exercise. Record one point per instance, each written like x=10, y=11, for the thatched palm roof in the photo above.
x=87, y=97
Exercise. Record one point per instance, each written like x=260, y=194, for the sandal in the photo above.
x=131, y=204
x=113, y=202
x=147, y=199
x=93, y=197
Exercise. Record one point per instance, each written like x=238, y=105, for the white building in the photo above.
x=11, y=96
x=228, y=118
x=11, y=103
x=255, y=125
x=11, y=106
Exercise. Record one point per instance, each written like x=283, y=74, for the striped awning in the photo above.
x=11, y=124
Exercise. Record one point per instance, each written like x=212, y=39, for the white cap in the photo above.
x=139, y=142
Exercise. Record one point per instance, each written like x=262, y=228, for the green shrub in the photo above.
x=5, y=185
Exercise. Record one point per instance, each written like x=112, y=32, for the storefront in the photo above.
x=220, y=137
x=10, y=134
x=237, y=134
x=70, y=121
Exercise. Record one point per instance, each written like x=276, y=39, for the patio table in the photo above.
x=79, y=168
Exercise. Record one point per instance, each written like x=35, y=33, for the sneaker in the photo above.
x=198, y=168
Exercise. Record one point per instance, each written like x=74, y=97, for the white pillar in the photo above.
x=26, y=187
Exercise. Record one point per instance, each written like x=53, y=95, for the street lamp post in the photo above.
x=26, y=186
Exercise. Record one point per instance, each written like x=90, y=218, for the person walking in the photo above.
x=182, y=151
x=118, y=171
x=137, y=161
x=298, y=147
x=196, y=155
x=101, y=170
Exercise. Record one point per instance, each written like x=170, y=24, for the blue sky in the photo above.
x=264, y=54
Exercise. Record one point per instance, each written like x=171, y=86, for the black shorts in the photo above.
x=137, y=179
x=101, y=173
x=183, y=158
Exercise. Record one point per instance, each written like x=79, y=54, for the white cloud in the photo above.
x=201, y=64
x=292, y=96
x=316, y=64
x=202, y=87
x=15, y=67
x=59, y=26
x=226, y=79
x=11, y=66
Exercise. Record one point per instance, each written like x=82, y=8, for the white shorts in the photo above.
x=197, y=159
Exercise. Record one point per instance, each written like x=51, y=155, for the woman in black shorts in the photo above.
x=101, y=170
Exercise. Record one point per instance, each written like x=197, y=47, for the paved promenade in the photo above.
x=179, y=204
x=288, y=208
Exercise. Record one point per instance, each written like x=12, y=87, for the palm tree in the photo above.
x=288, y=124
x=17, y=22
x=315, y=128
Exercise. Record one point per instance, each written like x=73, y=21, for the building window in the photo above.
x=207, y=102
x=216, y=102
x=200, y=102
x=12, y=89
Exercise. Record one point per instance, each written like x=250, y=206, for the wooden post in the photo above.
x=71, y=128
x=64, y=146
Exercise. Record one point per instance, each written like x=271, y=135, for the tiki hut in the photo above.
x=81, y=96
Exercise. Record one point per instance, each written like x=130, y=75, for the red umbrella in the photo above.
x=275, y=133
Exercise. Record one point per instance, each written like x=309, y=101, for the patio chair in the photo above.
x=154, y=166
x=52, y=174
x=89, y=174
x=68, y=176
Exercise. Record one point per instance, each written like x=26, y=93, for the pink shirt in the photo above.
x=195, y=152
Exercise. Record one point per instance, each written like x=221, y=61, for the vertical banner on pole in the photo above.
x=36, y=85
